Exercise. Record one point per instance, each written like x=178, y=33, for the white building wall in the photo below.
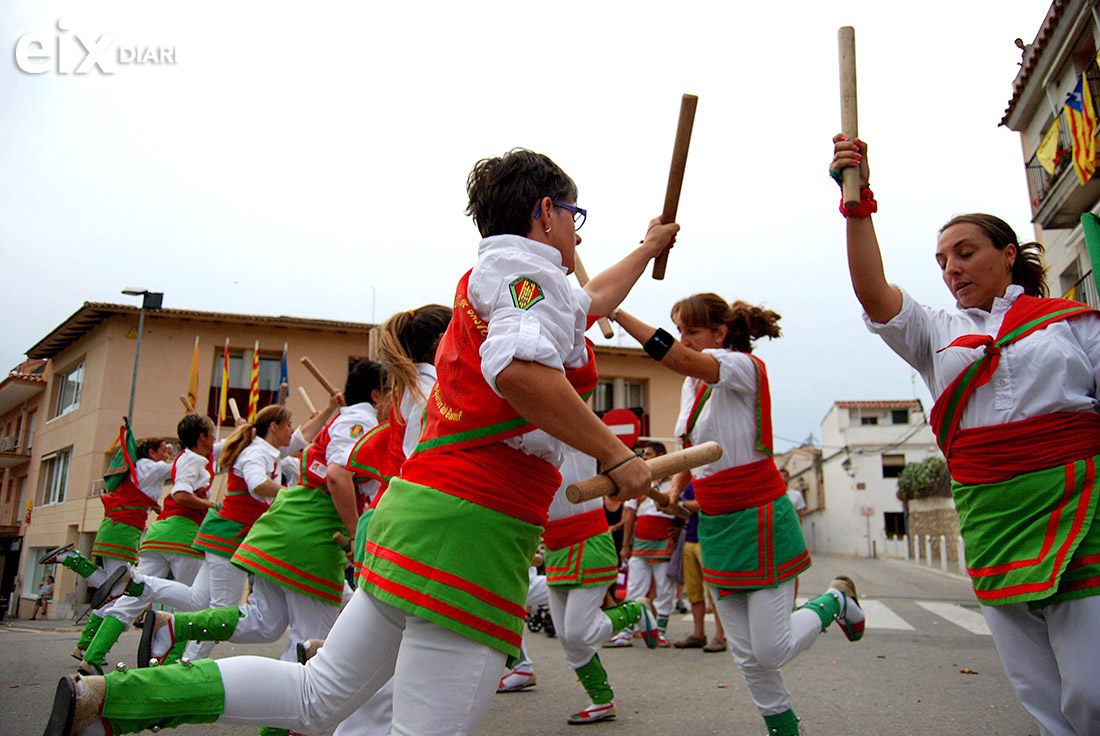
x=854, y=482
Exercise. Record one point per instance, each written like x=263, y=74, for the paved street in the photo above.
x=903, y=678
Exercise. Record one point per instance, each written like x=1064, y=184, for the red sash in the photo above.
x=571, y=530
x=462, y=410
x=494, y=476
x=239, y=505
x=999, y=453
x=127, y=504
x=171, y=508
x=763, y=409
x=652, y=528
x=1026, y=315
x=739, y=488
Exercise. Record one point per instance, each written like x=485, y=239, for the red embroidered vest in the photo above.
x=127, y=504
x=171, y=508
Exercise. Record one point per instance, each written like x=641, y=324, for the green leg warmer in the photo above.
x=826, y=607
x=79, y=564
x=782, y=724
x=662, y=624
x=594, y=679
x=90, y=629
x=213, y=624
x=109, y=631
x=624, y=615
x=164, y=697
x=174, y=653
x=268, y=731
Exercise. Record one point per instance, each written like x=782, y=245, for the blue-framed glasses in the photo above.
x=579, y=214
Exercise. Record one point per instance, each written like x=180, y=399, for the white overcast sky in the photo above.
x=305, y=159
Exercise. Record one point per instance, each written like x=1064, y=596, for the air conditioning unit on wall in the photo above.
x=7, y=444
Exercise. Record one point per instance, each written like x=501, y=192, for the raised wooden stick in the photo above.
x=661, y=467
x=305, y=398
x=676, y=173
x=318, y=375
x=582, y=279
x=849, y=118
x=234, y=410
x=187, y=408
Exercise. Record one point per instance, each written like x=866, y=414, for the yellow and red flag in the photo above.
x=1047, y=151
x=1081, y=116
x=254, y=386
x=225, y=384
x=193, y=380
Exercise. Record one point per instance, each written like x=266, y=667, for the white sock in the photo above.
x=849, y=609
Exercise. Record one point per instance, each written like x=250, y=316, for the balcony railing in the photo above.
x=1084, y=291
x=1058, y=199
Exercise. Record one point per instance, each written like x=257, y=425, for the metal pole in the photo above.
x=137, y=356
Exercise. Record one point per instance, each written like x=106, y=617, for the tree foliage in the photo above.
x=924, y=479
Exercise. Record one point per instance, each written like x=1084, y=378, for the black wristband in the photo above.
x=657, y=347
x=605, y=471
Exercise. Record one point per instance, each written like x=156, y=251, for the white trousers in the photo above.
x=1050, y=656
x=580, y=624
x=536, y=590
x=372, y=718
x=641, y=573
x=370, y=643
x=227, y=583
x=272, y=608
x=763, y=636
x=183, y=568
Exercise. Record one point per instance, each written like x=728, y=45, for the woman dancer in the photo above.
x=580, y=563
x=436, y=603
x=1017, y=415
x=166, y=547
x=751, y=544
x=126, y=511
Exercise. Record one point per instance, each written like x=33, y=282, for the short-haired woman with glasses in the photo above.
x=450, y=542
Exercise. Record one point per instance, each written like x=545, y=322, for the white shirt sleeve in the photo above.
x=909, y=333
x=736, y=371
x=151, y=476
x=544, y=332
x=190, y=470
x=297, y=444
x=254, y=466
x=1086, y=329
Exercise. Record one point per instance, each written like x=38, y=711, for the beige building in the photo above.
x=64, y=409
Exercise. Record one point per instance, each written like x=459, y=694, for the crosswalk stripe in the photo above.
x=879, y=616
x=970, y=620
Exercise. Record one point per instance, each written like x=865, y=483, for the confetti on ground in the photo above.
x=965, y=671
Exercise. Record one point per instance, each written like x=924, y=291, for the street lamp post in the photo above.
x=149, y=300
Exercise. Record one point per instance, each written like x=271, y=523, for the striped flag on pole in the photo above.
x=254, y=386
x=1081, y=116
x=225, y=385
x=193, y=380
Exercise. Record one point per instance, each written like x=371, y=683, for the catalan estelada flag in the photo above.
x=254, y=386
x=1081, y=116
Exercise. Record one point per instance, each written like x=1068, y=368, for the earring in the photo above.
x=548, y=228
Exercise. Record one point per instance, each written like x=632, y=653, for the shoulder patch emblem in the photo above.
x=356, y=430
x=525, y=293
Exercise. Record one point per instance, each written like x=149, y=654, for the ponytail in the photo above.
x=242, y=437
x=408, y=338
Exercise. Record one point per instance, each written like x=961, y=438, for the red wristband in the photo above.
x=867, y=205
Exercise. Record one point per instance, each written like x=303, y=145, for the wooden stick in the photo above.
x=234, y=410
x=849, y=118
x=582, y=279
x=317, y=374
x=676, y=173
x=187, y=408
x=305, y=398
x=661, y=467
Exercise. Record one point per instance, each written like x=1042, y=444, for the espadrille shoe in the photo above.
x=113, y=588
x=593, y=714
x=157, y=638
x=521, y=678
x=71, y=712
x=850, y=618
